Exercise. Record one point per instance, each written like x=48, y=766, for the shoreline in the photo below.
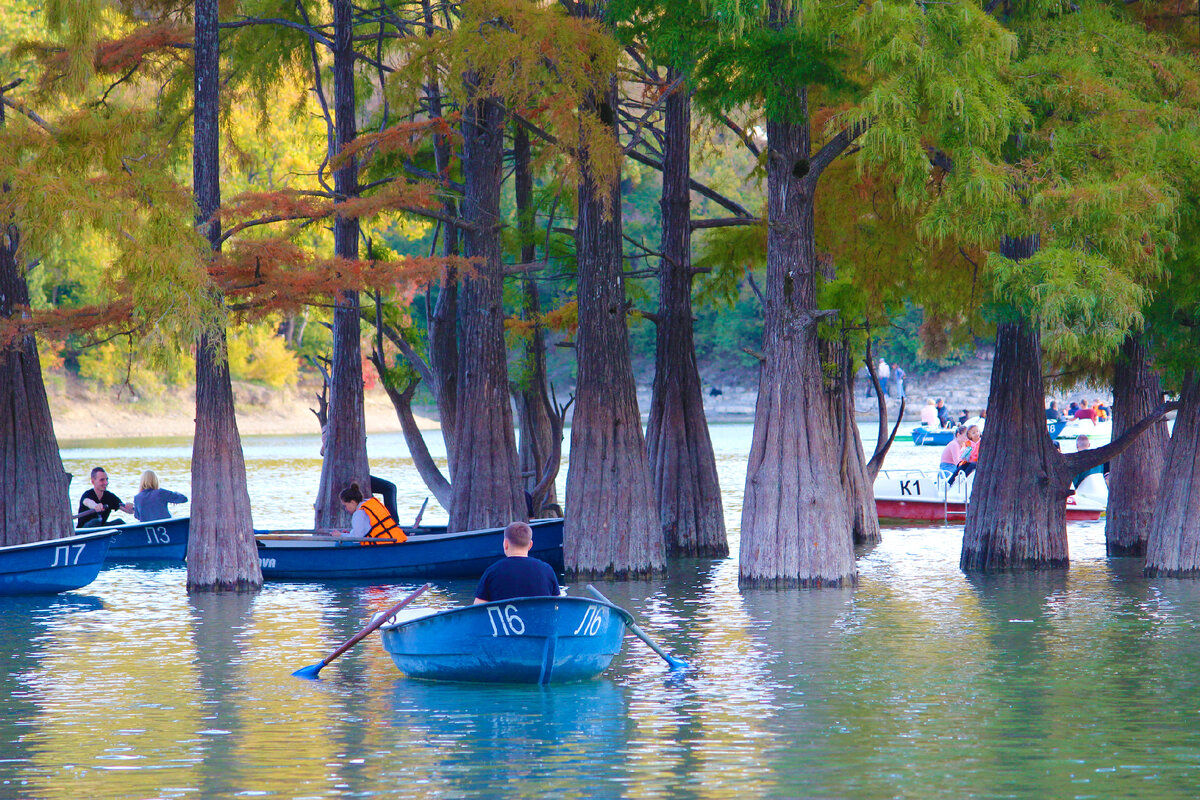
x=82, y=414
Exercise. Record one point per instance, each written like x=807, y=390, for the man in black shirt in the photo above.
x=518, y=575
x=97, y=503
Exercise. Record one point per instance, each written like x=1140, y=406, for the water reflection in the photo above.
x=515, y=740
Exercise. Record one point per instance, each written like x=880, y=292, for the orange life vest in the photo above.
x=383, y=526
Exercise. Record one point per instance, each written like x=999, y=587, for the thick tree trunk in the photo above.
x=1136, y=473
x=346, y=439
x=485, y=480
x=680, y=449
x=529, y=390
x=796, y=528
x=1173, y=545
x=1017, y=517
x=612, y=525
x=33, y=486
x=222, y=554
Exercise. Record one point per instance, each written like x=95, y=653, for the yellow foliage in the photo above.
x=147, y=372
x=257, y=354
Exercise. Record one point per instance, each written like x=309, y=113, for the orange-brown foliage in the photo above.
x=119, y=55
x=56, y=324
x=405, y=137
x=267, y=275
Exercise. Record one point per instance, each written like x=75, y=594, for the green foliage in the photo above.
x=1082, y=304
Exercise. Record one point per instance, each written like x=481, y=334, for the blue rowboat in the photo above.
x=290, y=555
x=153, y=540
x=523, y=640
x=923, y=435
x=53, y=566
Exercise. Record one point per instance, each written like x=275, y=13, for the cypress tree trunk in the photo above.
x=33, y=486
x=1136, y=473
x=795, y=524
x=680, y=449
x=485, y=480
x=222, y=554
x=1017, y=518
x=612, y=525
x=1173, y=544
x=529, y=391
x=346, y=439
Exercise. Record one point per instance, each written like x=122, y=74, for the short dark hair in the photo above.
x=351, y=494
x=98, y=469
x=519, y=533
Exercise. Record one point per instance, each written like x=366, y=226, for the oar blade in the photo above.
x=676, y=664
x=312, y=671
x=380, y=619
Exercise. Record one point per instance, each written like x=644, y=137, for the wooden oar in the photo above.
x=314, y=670
x=421, y=513
x=675, y=663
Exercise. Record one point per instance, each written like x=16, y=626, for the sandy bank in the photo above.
x=83, y=412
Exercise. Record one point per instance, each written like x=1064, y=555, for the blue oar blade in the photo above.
x=312, y=672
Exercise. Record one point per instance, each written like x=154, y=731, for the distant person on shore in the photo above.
x=369, y=519
x=100, y=502
x=884, y=372
x=518, y=574
x=943, y=414
x=968, y=459
x=1082, y=442
x=929, y=415
x=1053, y=414
x=151, y=502
x=952, y=451
x=898, y=377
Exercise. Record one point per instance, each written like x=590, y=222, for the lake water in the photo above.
x=918, y=683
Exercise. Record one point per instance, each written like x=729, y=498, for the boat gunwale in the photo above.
x=97, y=534
x=398, y=624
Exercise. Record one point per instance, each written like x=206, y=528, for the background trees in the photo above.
x=1013, y=165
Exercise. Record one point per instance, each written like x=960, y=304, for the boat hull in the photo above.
x=424, y=555
x=153, y=540
x=1074, y=428
x=919, y=496
x=53, y=566
x=524, y=640
x=932, y=437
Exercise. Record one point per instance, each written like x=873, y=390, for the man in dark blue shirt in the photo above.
x=518, y=575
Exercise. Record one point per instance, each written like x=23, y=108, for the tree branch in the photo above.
x=1076, y=463
x=697, y=187
x=834, y=148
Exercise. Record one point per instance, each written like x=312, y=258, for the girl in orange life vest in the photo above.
x=369, y=518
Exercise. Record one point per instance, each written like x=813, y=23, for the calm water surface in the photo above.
x=918, y=683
